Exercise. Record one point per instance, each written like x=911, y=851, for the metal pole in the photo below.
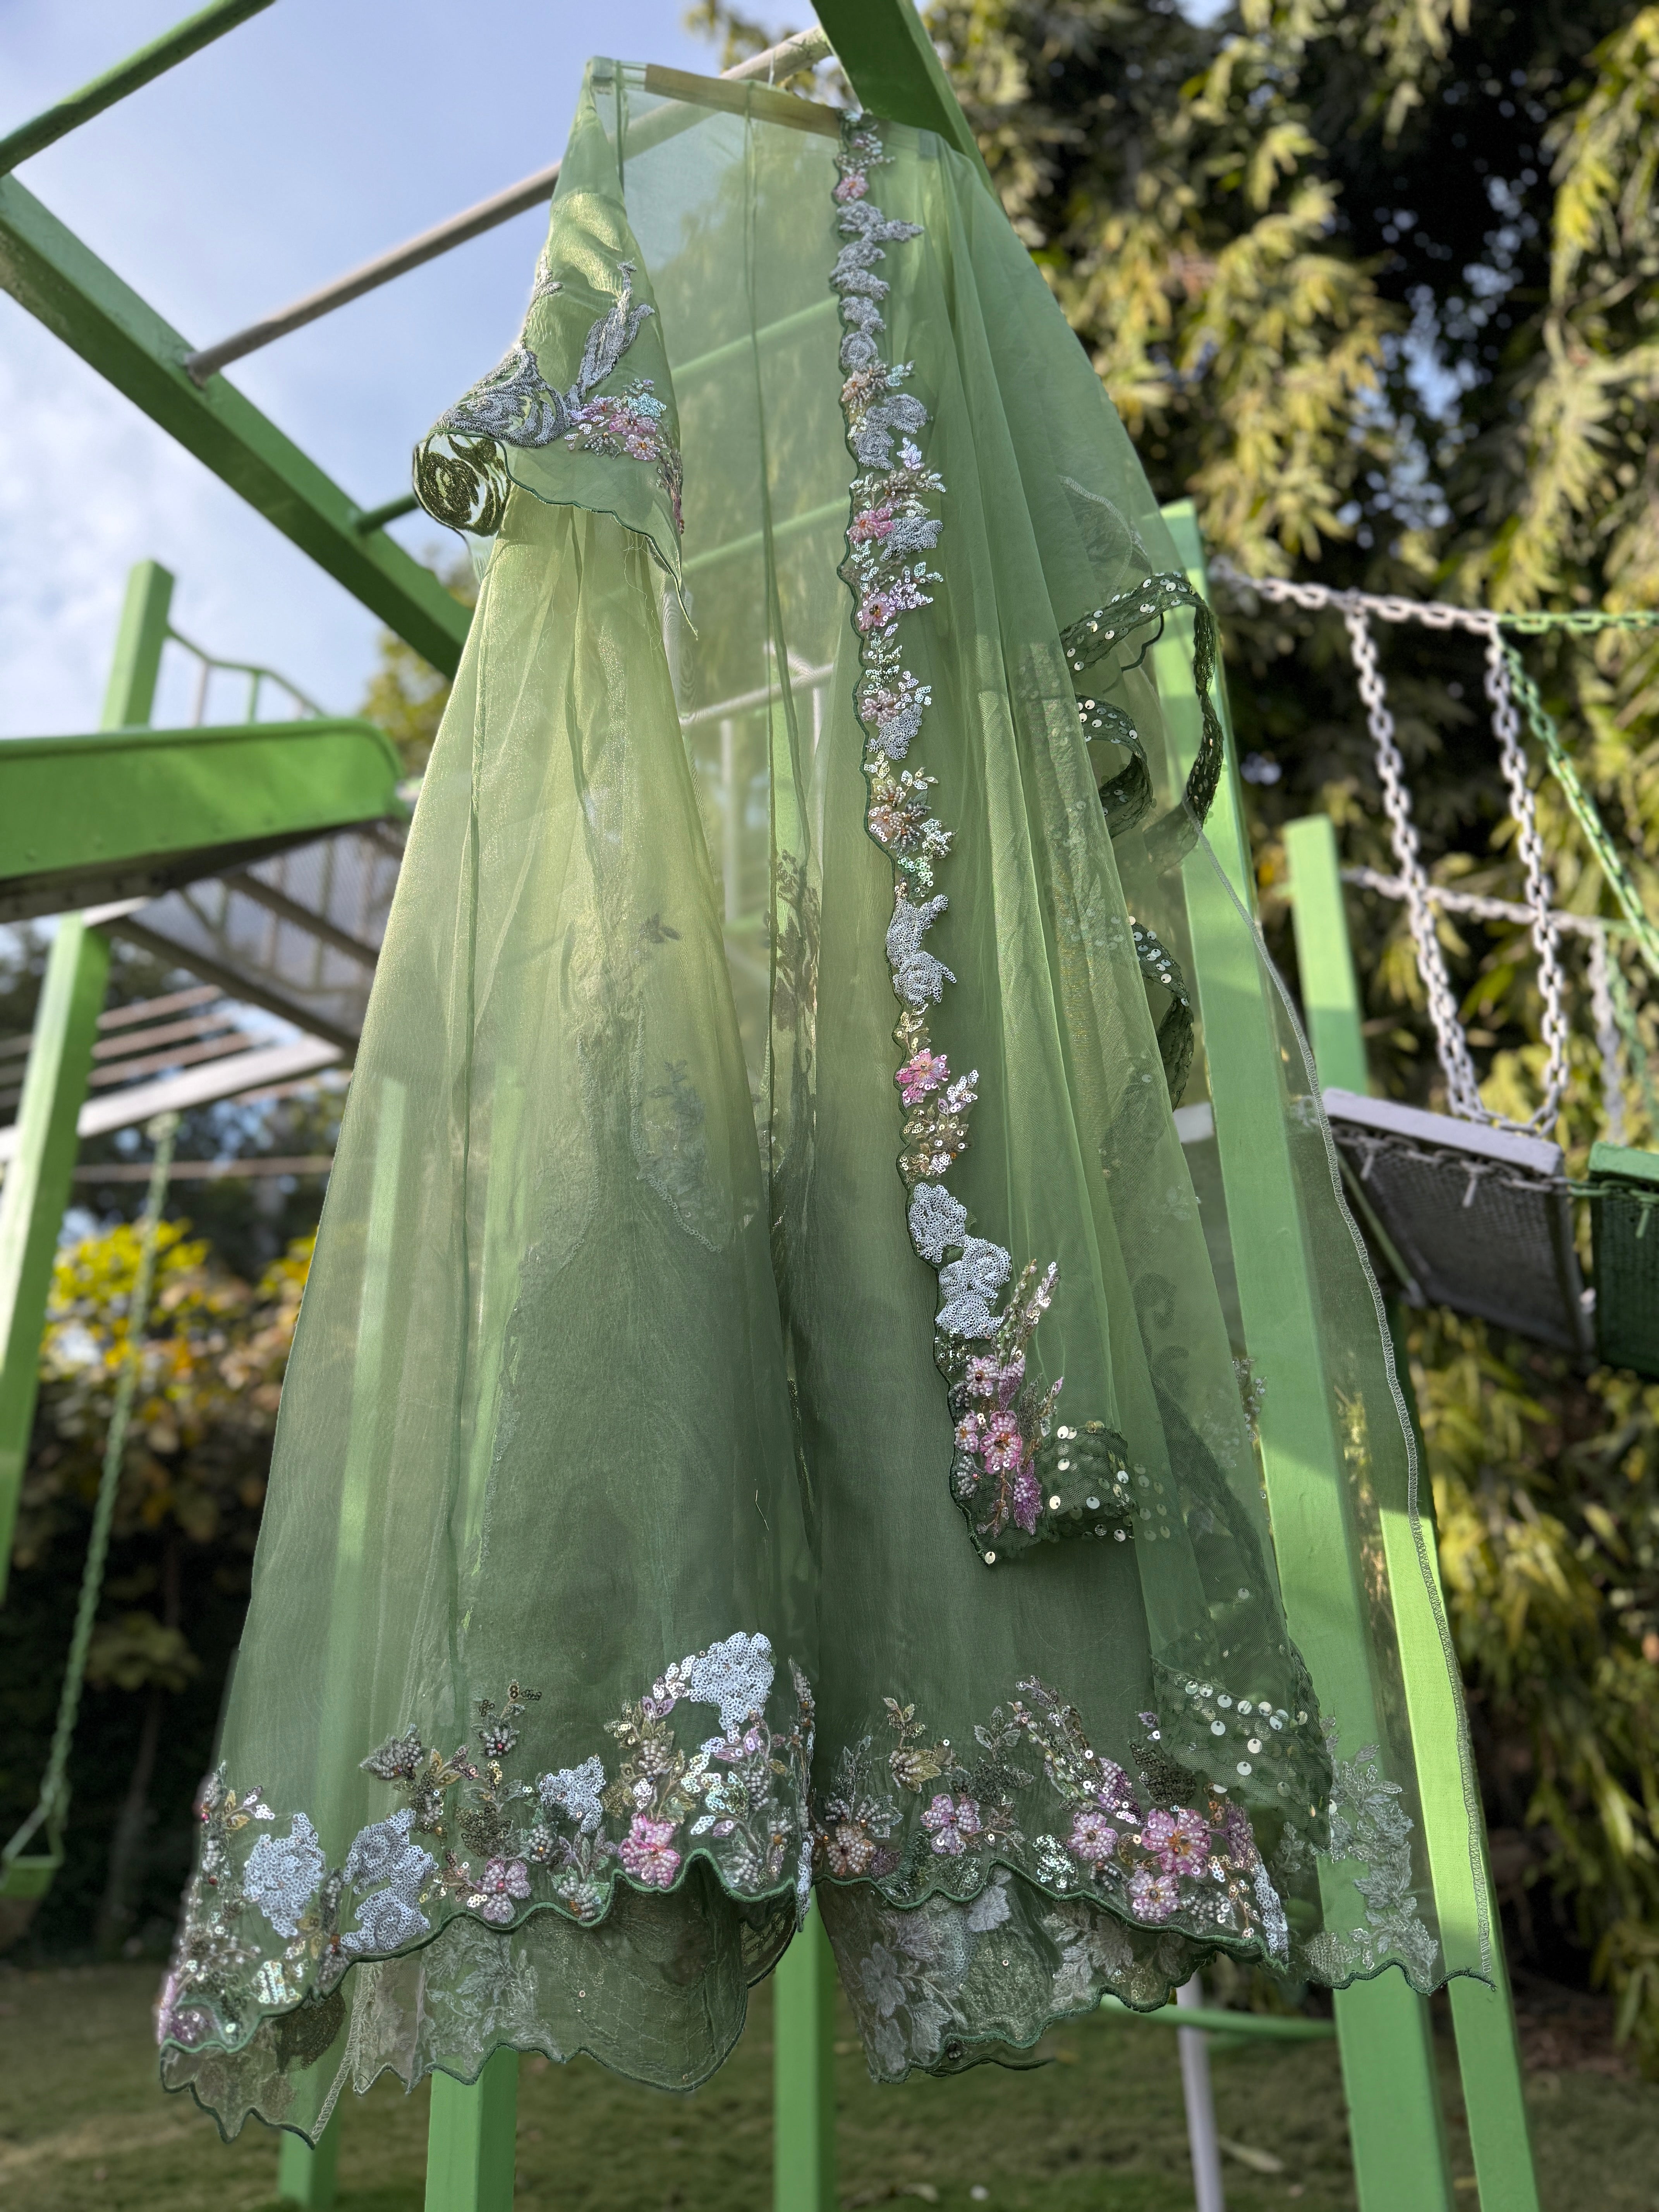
x=164, y=53
x=308, y=2176
x=1383, y=2027
x=1200, y=2103
x=803, y=2074
x=472, y=2139
x=42, y=1165
x=793, y=53
x=1331, y=1005
x=1483, y=2017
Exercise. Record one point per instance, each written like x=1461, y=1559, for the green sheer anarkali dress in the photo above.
x=769, y=1417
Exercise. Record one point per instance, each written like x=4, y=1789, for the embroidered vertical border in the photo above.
x=1002, y=1418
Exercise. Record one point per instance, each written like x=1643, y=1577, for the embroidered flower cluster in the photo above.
x=738, y=1796
x=1163, y=1847
x=631, y=425
x=1003, y=1419
x=460, y=477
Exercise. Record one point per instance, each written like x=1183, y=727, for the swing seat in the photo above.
x=1469, y=1217
x=24, y=1883
x=1624, y=1192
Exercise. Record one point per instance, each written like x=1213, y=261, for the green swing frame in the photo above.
x=1384, y=2029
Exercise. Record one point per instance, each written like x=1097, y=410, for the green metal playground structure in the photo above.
x=124, y=818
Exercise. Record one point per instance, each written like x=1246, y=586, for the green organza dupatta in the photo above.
x=770, y=1406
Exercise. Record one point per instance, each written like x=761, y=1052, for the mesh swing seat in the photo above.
x=1470, y=1217
x=1624, y=1191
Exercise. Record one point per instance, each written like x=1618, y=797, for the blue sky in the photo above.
x=318, y=134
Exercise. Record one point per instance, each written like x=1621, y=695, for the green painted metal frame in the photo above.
x=1483, y=2017
x=150, y=62
x=891, y=64
x=36, y=1190
x=472, y=2139
x=803, y=2074
x=128, y=813
x=1397, y=2131
x=308, y=2176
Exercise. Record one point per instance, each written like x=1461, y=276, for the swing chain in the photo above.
x=1636, y=1049
x=1462, y=1085
x=1504, y=675
x=1544, y=729
x=53, y=1803
x=1506, y=721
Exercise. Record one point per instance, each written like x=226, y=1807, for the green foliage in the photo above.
x=187, y=1513
x=1378, y=287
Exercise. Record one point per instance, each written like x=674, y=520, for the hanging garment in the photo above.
x=770, y=1409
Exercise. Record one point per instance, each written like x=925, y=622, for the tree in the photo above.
x=192, y=1482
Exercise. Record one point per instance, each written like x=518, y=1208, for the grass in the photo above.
x=84, y=2129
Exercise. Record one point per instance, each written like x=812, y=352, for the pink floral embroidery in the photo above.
x=955, y=1823
x=1153, y=1896
x=630, y=425
x=1004, y=1446
x=1027, y=1501
x=1000, y=1420
x=646, y=1850
x=1093, y=1837
x=887, y=601
x=1114, y=1791
x=1179, y=1840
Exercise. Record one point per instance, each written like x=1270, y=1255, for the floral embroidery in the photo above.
x=391, y=1915
x=460, y=476
x=631, y=427
x=738, y=1795
x=1367, y=1825
x=1168, y=1847
x=282, y=1874
x=1002, y=1421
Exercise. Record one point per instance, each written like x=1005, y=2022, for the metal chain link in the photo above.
x=53, y=1803
x=1585, y=813
x=1506, y=722
x=1435, y=614
x=1462, y=1085
x=1504, y=676
x=1636, y=1048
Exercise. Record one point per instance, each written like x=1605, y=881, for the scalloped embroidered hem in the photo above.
x=945, y=1985
x=270, y=1929
x=681, y=1958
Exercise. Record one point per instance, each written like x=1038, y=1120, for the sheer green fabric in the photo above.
x=673, y=1504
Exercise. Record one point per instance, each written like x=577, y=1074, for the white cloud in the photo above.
x=311, y=137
